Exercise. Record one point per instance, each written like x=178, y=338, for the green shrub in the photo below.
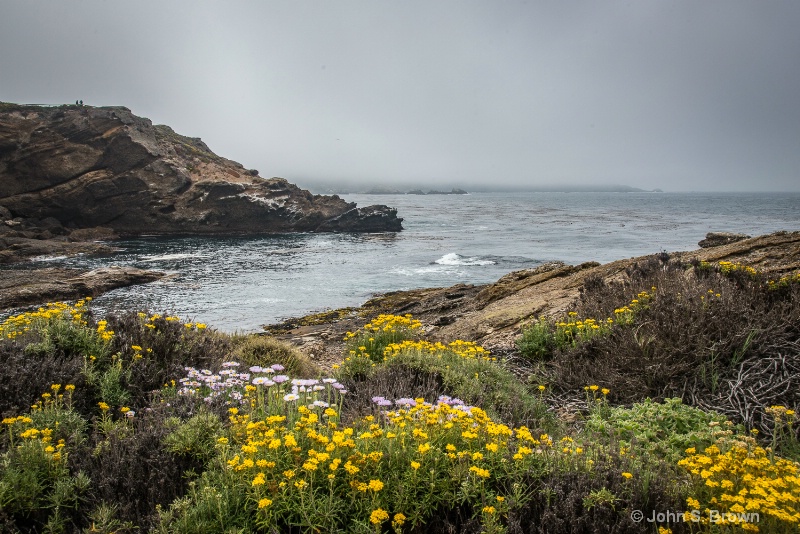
x=477, y=381
x=264, y=350
x=704, y=337
x=538, y=340
x=196, y=437
x=664, y=429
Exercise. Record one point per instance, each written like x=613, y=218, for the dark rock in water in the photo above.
x=717, y=239
x=91, y=167
x=17, y=247
x=363, y=220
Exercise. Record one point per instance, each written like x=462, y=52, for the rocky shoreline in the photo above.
x=493, y=314
x=21, y=287
x=73, y=178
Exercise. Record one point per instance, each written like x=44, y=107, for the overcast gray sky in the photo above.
x=673, y=94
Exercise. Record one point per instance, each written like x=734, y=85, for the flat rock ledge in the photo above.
x=717, y=239
x=25, y=287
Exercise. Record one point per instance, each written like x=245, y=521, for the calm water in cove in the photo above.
x=239, y=284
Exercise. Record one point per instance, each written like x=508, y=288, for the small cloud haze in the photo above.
x=679, y=95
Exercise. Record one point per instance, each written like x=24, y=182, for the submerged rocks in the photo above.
x=88, y=167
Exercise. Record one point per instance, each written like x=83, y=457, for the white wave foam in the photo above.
x=429, y=270
x=457, y=259
x=49, y=258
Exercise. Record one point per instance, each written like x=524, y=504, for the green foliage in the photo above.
x=663, y=429
x=104, y=521
x=64, y=336
x=36, y=486
x=195, y=437
x=538, y=340
x=481, y=383
x=265, y=350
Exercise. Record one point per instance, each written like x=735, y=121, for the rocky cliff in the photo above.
x=105, y=167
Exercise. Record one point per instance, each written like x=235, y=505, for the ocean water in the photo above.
x=242, y=283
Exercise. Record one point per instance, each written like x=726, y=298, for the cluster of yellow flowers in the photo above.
x=727, y=267
x=626, y=313
x=784, y=281
x=17, y=325
x=737, y=478
x=386, y=324
x=572, y=329
x=465, y=349
x=55, y=399
x=279, y=458
x=102, y=329
x=24, y=428
x=781, y=414
x=150, y=321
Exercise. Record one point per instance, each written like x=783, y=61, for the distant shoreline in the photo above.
x=459, y=191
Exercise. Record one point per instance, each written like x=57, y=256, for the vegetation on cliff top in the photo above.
x=628, y=405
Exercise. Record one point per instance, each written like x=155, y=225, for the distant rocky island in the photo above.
x=84, y=167
x=385, y=191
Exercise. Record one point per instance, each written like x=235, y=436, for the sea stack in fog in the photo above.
x=104, y=166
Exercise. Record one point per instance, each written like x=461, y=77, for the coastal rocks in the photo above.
x=716, y=239
x=105, y=167
x=17, y=249
x=18, y=288
x=22, y=239
x=363, y=220
x=494, y=314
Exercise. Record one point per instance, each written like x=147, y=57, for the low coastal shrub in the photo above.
x=460, y=369
x=542, y=338
x=718, y=340
x=172, y=427
x=663, y=429
x=372, y=339
x=265, y=350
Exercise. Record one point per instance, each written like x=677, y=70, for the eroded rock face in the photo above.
x=105, y=167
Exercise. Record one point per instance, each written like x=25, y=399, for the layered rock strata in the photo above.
x=85, y=167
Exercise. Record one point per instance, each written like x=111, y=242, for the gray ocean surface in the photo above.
x=242, y=283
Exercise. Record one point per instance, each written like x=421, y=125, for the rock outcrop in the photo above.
x=18, y=288
x=85, y=167
x=717, y=239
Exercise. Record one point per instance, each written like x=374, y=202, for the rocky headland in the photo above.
x=74, y=177
x=104, y=166
x=494, y=314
